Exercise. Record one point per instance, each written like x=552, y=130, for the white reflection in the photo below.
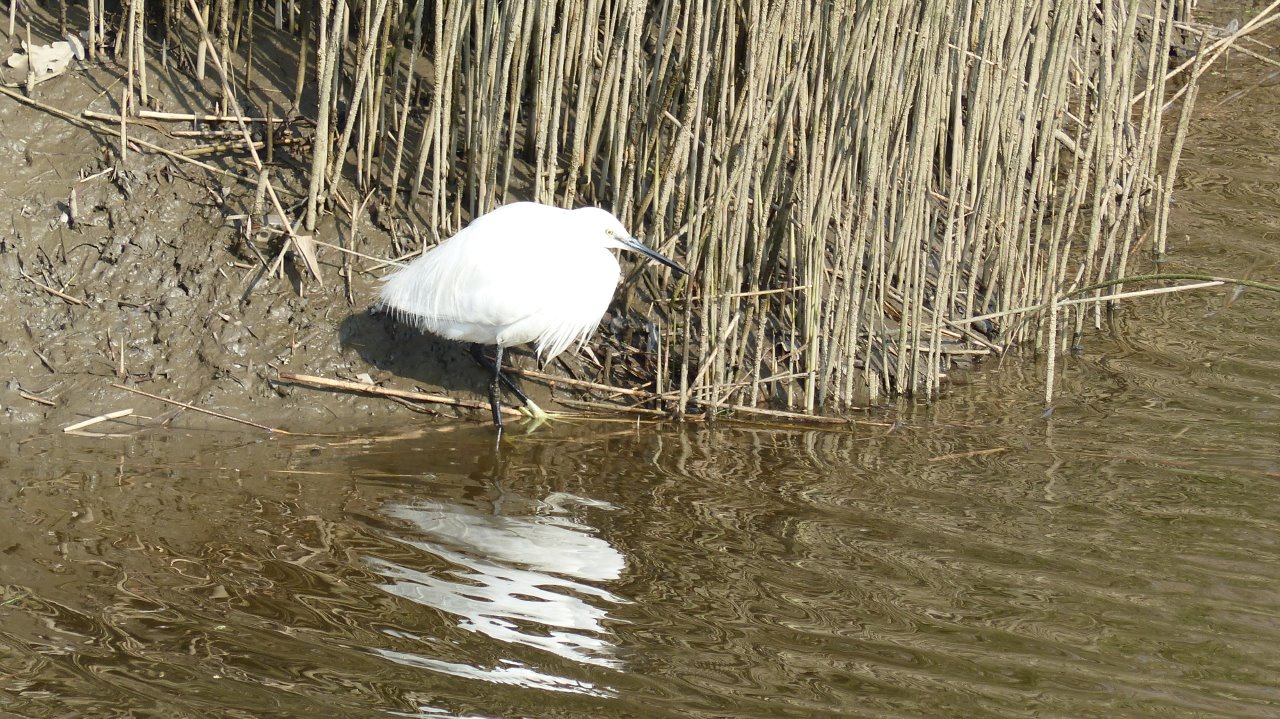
x=512, y=674
x=516, y=579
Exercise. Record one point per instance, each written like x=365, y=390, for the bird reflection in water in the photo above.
x=529, y=580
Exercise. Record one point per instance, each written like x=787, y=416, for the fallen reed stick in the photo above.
x=666, y=396
x=967, y=455
x=79, y=122
x=790, y=416
x=228, y=147
x=100, y=435
x=314, y=381
x=95, y=420
x=393, y=262
x=50, y=290
x=616, y=408
x=193, y=408
x=348, y=251
x=206, y=134
x=584, y=384
x=738, y=409
x=115, y=119
x=221, y=147
x=1177, y=276
x=472, y=404
x=190, y=117
x=643, y=395
x=1206, y=281
x=1139, y=293
x=37, y=399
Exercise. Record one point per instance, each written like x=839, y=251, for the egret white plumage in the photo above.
x=524, y=272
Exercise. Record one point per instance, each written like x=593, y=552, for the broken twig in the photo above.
x=193, y=408
x=384, y=392
x=95, y=420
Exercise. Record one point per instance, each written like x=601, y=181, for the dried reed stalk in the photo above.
x=852, y=184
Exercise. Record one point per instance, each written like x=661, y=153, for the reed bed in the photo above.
x=866, y=193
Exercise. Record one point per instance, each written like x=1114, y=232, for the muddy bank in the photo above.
x=152, y=284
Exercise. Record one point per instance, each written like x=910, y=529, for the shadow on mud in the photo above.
x=413, y=356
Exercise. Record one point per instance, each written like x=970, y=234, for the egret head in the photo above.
x=600, y=223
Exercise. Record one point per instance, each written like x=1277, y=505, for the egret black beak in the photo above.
x=634, y=244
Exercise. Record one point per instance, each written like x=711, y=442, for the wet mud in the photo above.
x=139, y=273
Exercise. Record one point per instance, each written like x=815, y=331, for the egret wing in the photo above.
x=481, y=280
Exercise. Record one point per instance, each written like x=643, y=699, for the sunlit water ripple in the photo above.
x=1110, y=559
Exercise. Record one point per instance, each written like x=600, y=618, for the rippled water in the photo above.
x=1117, y=556
x=1120, y=557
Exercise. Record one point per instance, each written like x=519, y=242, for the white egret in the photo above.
x=524, y=272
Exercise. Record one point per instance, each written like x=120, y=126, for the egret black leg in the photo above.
x=495, y=391
x=477, y=353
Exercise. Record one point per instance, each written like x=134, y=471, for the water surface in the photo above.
x=1118, y=557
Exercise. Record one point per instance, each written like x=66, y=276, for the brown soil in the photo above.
x=152, y=285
